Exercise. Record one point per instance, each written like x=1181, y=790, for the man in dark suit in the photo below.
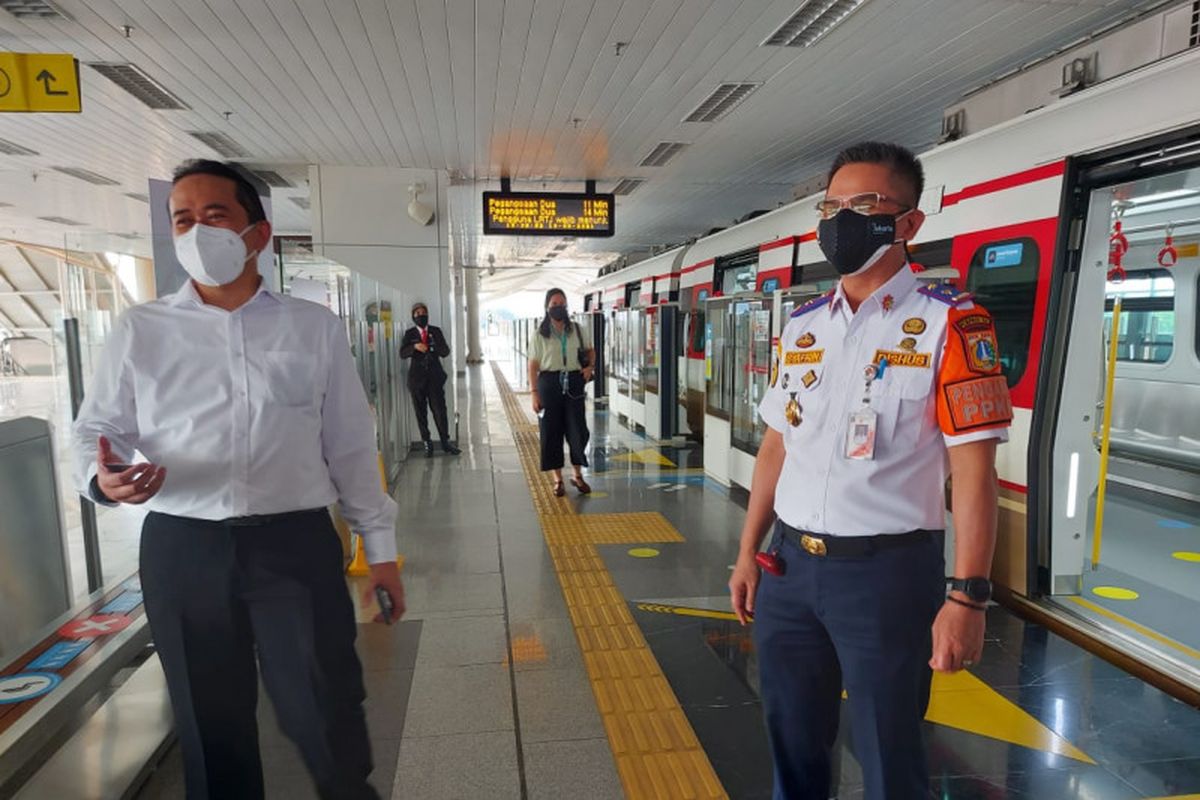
x=426, y=346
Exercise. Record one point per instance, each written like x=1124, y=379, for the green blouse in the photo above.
x=548, y=350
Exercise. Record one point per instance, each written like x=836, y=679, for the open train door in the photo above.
x=1118, y=454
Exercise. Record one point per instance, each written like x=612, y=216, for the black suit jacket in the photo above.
x=425, y=368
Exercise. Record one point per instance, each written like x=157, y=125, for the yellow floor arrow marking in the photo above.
x=647, y=456
x=960, y=701
x=965, y=702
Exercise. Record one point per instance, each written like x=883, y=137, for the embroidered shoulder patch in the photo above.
x=816, y=302
x=947, y=293
x=977, y=403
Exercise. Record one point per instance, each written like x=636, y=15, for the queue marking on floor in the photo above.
x=656, y=751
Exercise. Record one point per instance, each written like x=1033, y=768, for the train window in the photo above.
x=1003, y=277
x=1147, y=328
x=931, y=255
x=697, y=332
x=633, y=294
x=736, y=273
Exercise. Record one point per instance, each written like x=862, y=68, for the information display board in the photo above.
x=548, y=214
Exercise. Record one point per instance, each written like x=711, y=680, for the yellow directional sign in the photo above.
x=39, y=82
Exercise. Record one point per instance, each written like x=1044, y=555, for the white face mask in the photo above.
x=213, y=256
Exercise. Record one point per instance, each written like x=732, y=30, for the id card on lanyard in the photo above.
x=562, y=376
x=861, y=426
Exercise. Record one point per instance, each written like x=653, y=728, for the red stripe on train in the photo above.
x=1007, y=182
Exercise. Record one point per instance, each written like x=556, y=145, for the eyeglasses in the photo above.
x=866, y=203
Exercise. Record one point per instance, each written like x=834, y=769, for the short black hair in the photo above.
x=900, y=160
x=247, y=193
x=419, y=304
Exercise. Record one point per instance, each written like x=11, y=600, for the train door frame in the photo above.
x=1065, y=422
x=718, y=418
x=618, y=398
x=660, y=414
x=599, y=385
x=742, y=452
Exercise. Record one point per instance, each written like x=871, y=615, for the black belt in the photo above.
x=254, y=520
x=822, y=545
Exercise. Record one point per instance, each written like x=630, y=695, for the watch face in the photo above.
x=978, y=589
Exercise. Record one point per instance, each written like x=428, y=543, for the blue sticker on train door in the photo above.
x=770, y=285
x=1004, y=255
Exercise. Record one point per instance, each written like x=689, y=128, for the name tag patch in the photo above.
x=901, y=358
x=796, y=357
x=978, y=403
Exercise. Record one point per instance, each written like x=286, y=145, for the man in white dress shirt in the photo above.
x=250, y=413
x=880, y=387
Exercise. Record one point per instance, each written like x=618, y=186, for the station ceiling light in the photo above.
x=273, y=179
x=722, y=100
x=220, y=142
x=662, y=153
x=627, y=185
x=13, y=149
x=32, y=9
x=134, y=80
x=94, y=178
x=811, y=22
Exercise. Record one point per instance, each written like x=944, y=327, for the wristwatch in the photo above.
x=977, y=589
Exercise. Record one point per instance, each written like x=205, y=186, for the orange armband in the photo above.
x=972, y=391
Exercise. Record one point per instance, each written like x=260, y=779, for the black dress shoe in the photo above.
x=429, y=449
x=449, y=448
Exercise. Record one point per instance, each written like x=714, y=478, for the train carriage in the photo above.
x=1022, y=215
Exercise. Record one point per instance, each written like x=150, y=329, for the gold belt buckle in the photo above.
x=812, y=545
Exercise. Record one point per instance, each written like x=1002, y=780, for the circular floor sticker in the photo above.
x=643, y=552
x=1185, y=555
x=1115, y=593
x=26, y=686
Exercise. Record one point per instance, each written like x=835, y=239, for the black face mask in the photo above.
x=558, y=313
x=422, y=320
x=853, y=242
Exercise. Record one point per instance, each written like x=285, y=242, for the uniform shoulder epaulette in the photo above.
x=816, y=302
x=947, y=293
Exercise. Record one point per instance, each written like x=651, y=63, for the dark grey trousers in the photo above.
x=216, y=596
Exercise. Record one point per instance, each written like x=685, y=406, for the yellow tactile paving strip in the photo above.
x=656, y=751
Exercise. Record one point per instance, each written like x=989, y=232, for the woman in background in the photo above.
x=560, y=363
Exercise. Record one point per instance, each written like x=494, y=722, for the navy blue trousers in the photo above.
x=862, y=624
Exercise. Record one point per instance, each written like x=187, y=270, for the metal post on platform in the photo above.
x=87, y=509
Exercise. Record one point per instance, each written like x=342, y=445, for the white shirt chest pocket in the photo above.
x=904, y=400
x=284, y=378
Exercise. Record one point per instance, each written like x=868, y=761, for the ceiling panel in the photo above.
x=529, y=88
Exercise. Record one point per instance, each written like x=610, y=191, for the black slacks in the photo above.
x=563, y=415
x=216, y=595
x=431, y=394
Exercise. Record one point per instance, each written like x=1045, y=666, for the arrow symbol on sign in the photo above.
x=46, y=77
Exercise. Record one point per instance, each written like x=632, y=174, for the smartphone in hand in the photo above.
x=386, y=607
